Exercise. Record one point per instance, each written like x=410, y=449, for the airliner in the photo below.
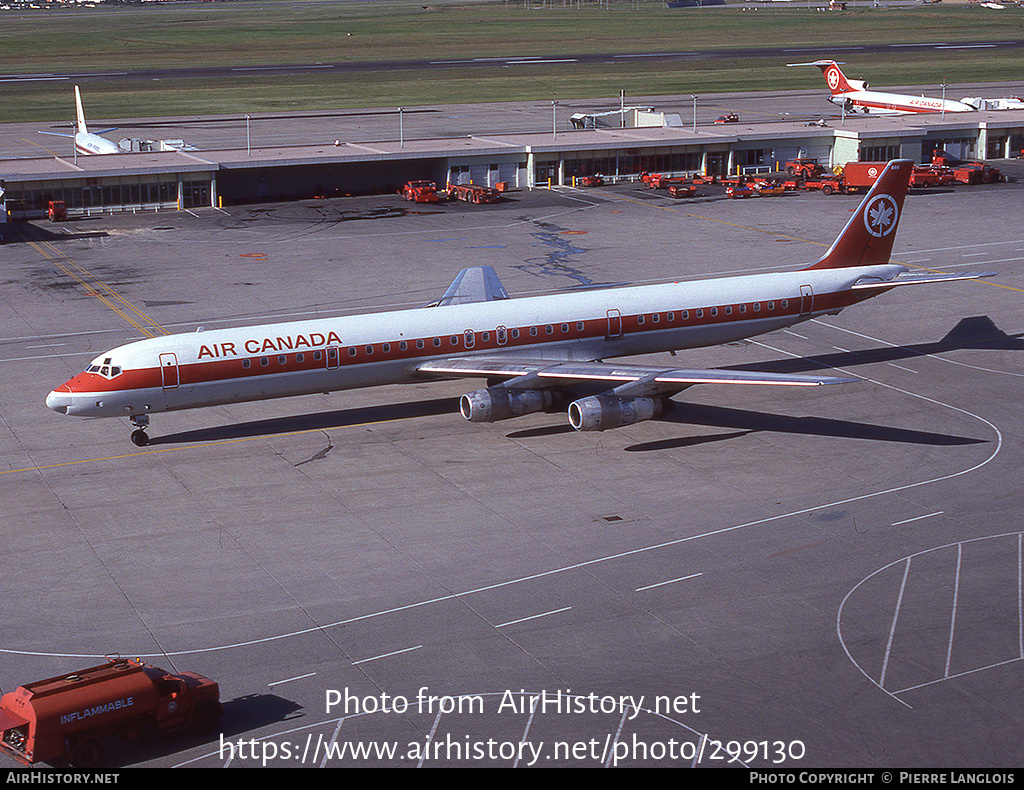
x=536, y=353
x=87, y=142
x=854, y=96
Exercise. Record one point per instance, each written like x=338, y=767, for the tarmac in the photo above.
x=814, y=579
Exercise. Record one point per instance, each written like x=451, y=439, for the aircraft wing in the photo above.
x=476, y=284
x=651, y=379
x=913, y=278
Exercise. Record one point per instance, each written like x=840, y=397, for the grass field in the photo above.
x=244, y=33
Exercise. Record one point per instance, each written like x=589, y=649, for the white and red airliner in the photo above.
x=536, y=353
x=854, y=96
x=87, y=142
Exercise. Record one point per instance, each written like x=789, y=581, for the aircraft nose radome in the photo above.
x=58, y=401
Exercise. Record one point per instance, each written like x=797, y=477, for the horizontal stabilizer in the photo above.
x=476, y=284
x=865, y=283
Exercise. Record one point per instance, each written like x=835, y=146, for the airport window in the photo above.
x=246, y=363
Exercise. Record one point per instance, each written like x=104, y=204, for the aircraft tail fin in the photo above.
x=837, y=81
x=868, y=237
x=80, y=112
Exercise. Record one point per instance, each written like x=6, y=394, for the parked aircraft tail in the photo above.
x=868, y=237
x=837, y=81
x=80, y=111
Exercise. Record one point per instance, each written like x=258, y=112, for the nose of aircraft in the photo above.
x=58, y=401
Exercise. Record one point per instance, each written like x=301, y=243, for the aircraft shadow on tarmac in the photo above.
x=340, y=418
x=977, y=332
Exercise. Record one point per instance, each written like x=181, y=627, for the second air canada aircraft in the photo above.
x=536, y=353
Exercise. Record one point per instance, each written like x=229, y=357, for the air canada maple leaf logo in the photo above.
x=880, y=215
x=833, y=78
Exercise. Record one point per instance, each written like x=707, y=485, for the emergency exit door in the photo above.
x=169, y=370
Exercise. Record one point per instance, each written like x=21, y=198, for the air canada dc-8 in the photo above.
x=537, y=353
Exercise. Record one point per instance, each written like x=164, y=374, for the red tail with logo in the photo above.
x=837, y=82
x=868, y=237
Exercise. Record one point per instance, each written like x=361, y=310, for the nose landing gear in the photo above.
x=139, y=436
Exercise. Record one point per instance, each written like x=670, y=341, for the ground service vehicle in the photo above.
x=56, y=211
x=682, y=190
x=66, y=718
x=805, y=168
x=421, y=192
x=662, y=181
x=473, y=193
x=590, y=181
x=728, y=118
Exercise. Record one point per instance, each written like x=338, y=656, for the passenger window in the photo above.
x=548, y=330
x=714, y=311
x=300, y=357
x=640, y=320
x=385, y=348
x=533, y=331
x=515, y=334
x=246, y=363
x=437, y=342
x=656, y=317
x=785, y=303
x=419, y=343
x=318, y=355
x=403, y=346
x=264, y=361
x=282, y=359
x=728, y=310
x=352, y=351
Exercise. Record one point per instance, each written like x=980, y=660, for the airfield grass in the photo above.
x=244, y=34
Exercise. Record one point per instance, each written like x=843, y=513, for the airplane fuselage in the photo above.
x=881, y=102
x=88, y=143
x=224, y=366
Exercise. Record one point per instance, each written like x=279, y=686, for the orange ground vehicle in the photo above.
x=66, y=718
x=421, y=192
x=56, y=211
x=473, y=193
x=805, y=168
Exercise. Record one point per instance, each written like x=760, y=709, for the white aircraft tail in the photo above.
x=80, y=112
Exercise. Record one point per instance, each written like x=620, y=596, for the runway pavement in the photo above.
x=826, y=578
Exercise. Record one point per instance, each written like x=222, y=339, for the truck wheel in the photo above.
x=88, y=753
x=826, y=190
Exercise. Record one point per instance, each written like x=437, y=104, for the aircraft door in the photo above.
x=806, y=299
x=169, y=371
x=333, y=355
x=470, y=338
x=614, y=324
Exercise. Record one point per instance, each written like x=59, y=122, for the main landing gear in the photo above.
x=139, y=436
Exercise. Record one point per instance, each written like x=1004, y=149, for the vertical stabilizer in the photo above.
x=868, y=237
x=80, y=112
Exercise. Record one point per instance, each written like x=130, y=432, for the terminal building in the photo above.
x=180, y=180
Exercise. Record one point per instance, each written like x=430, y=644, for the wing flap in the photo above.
x=568, y=373
x=867, y=283
x=476, y=284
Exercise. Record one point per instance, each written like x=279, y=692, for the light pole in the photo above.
x=694, y=112
x=943, y=115
x=248, y=148
x=554, y=122
x=401, y=127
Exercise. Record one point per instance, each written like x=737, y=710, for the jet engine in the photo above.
x=501, y=403
x=601, y=412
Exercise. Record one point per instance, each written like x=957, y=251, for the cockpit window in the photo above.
x=106, y=370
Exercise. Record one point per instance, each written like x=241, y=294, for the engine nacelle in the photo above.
x=601, y=412
x=501, y=403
